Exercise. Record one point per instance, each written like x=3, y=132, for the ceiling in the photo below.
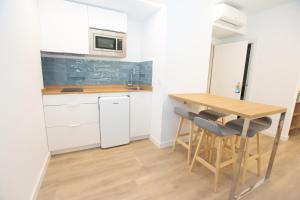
x=252, y=6
x=135, y=9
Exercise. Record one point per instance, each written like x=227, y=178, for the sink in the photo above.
x=134, y=88
x=72, y=90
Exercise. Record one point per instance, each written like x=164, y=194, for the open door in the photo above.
x=229, y=69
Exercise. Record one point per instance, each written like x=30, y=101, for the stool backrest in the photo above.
x=210, y=126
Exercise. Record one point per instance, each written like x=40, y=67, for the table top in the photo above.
x=245, y=109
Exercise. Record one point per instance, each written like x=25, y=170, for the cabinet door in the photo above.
x=64, y=26
x=107, y=20
x=140, y=114
x=72, y=136
x=114, y=121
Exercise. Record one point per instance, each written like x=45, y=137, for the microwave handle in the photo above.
x=117, y=44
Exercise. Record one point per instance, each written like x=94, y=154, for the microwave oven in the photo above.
x=107, y=43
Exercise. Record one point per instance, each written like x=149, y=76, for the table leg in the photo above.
x=270, y=165
x=240, y=156
x=275, y=145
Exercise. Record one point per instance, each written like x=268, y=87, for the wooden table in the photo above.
x=247, y=110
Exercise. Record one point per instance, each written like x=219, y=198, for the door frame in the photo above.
x=245, y=81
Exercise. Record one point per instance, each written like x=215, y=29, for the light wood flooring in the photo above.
x=141, y=171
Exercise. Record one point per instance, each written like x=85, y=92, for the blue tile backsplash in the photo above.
x=68, y=70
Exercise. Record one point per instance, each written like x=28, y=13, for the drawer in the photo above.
x=72, y=136
x=65, y=115
x=62, y=99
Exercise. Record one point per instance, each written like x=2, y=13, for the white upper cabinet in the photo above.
x=106, y=19
x=64, y=26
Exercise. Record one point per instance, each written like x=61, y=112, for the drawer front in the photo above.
x=68, y=115
x=66, y=137
x=62, y=99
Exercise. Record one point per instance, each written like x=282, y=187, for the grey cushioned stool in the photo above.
x=211, y=114
x=255, y=127
x=221, y=133
x=186, y=115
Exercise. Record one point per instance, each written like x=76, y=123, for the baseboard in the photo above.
x=282, y=137
x=141, y=137
x=166, y=144
x=75, y=149
x=41, y=177
x=161, y=144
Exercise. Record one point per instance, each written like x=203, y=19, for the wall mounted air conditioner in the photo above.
x=227, y=14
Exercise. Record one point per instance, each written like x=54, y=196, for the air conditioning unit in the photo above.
x=227, y=14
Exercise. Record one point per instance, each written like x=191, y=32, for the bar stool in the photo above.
x=255, y=126
x=186, y=115
x=210, y=138
x=211, y=115
x=221, y=133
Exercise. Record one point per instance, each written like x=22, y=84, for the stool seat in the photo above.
x=211, y=115
x=215, y=128
x=255, y=126
x=185, y=114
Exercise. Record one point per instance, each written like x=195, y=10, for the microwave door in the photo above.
x=105, y=43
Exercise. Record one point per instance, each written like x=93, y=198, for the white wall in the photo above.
x=153, y=37
x=189, y=30
x=275, y=58
x=23, y=146
x=184, y=60
x=134, y=40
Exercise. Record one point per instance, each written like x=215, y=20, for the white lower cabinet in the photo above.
x=73, y=136
x=140, y=114
x=72, y=120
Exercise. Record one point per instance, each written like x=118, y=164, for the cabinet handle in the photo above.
x=74, y=125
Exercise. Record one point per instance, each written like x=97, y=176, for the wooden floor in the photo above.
x=140, y=171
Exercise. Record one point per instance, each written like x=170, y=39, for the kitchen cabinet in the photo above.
x=64, y=27
x=140, y=114
x=72, y=120
x=100, y=18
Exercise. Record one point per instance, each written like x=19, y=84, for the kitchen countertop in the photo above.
x=92, y=89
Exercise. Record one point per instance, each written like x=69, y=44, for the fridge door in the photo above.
x=114, y=121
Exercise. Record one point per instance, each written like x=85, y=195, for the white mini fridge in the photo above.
x=114, y=121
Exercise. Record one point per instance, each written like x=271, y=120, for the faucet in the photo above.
x=130, y=82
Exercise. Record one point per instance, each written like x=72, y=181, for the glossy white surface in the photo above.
x=64, y=26
x=140, y=114
x=107, y=19
x=114, y=121
x=137, y=10
x=73, y=135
